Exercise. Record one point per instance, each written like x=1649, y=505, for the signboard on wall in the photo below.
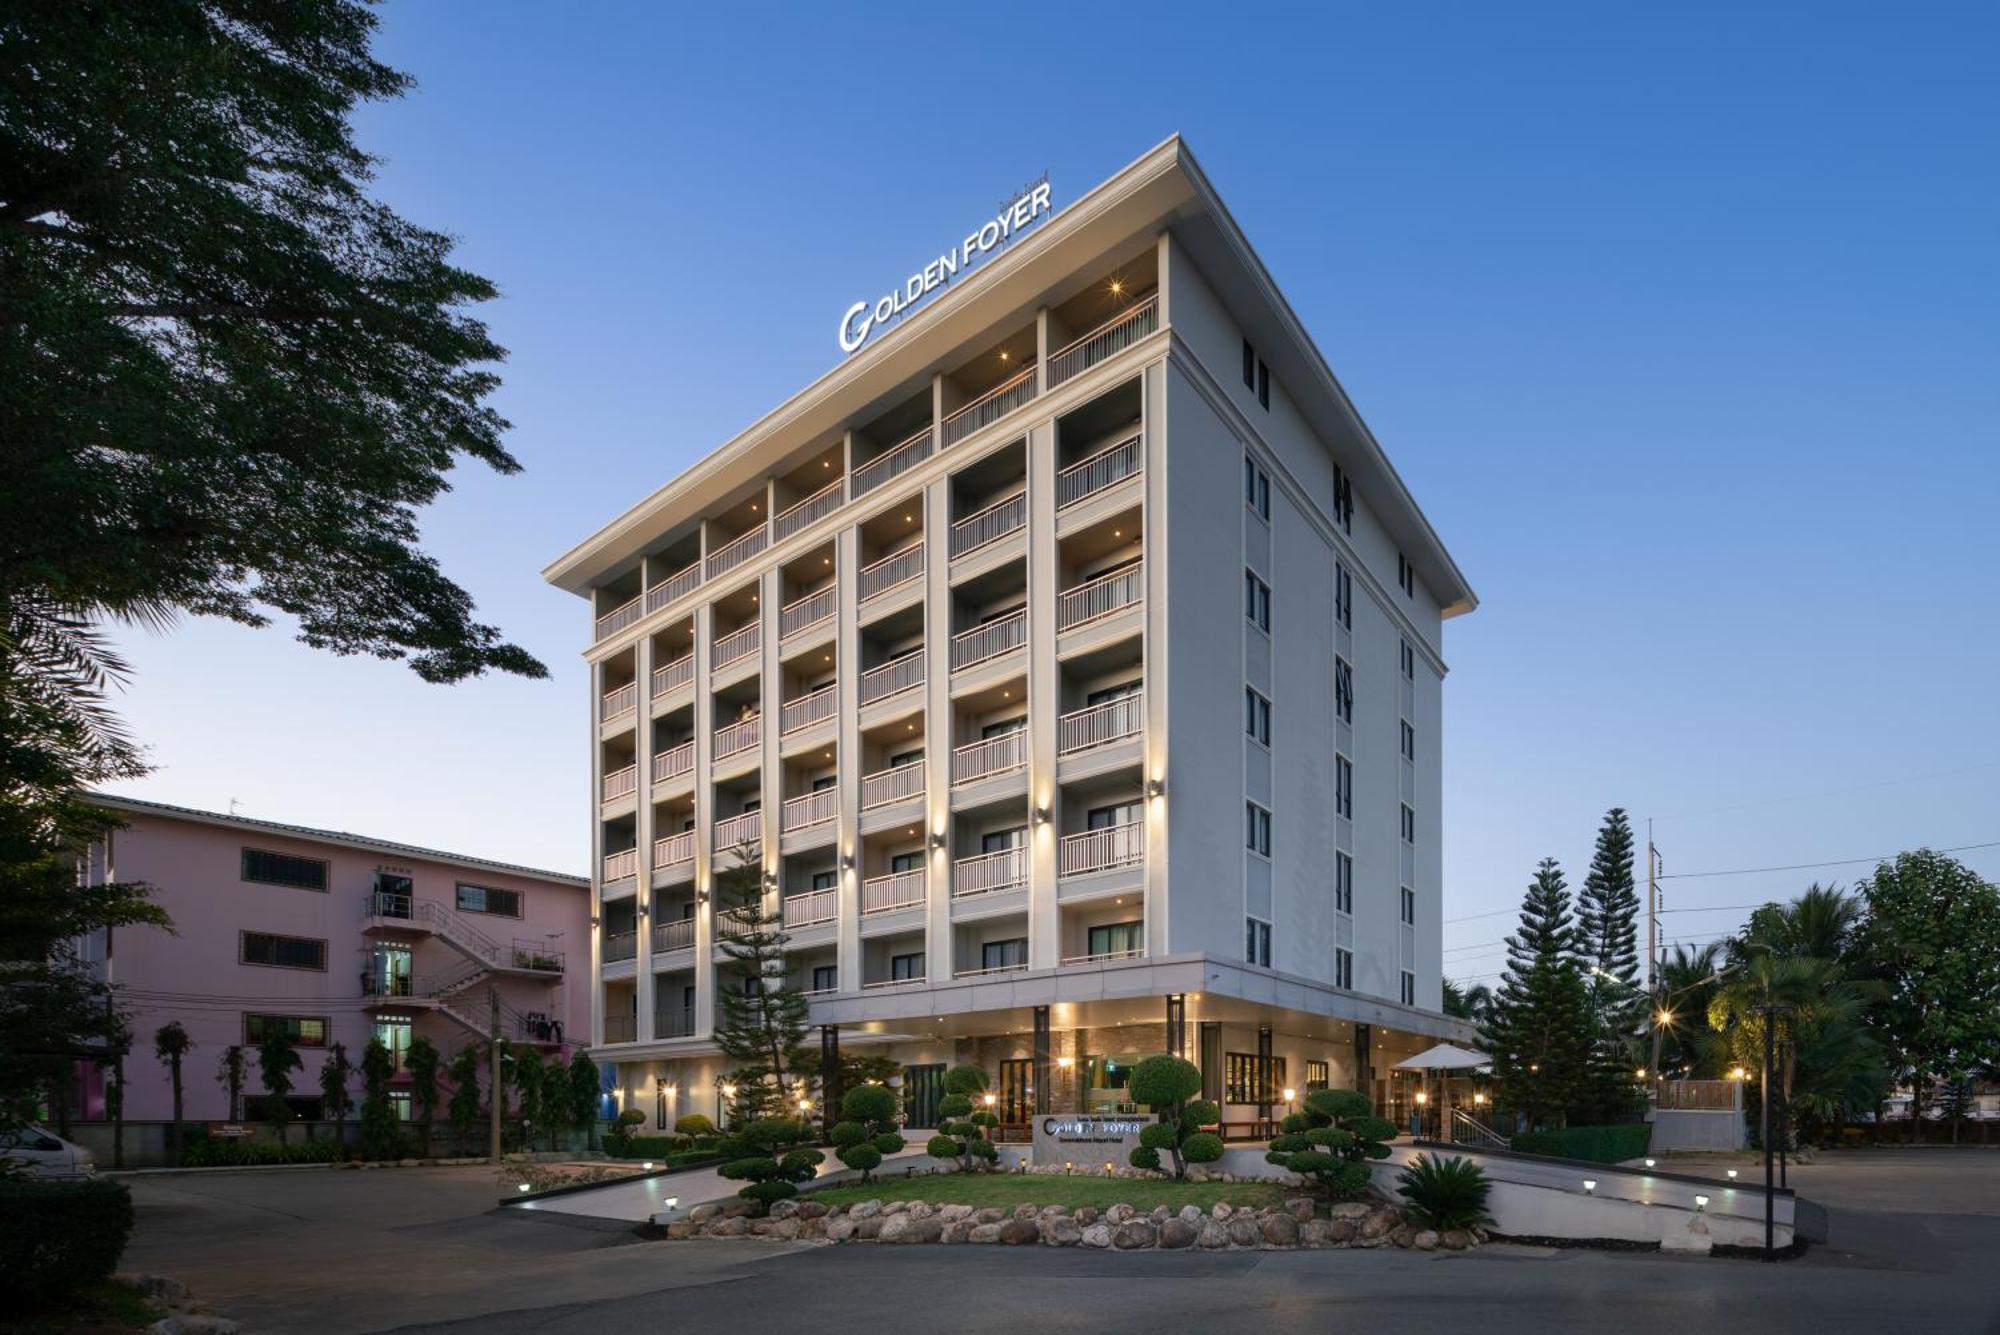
x=1088, y=1140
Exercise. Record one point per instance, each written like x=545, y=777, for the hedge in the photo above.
x=226, y=1152
x=59, y=1236
x=1593, y=1144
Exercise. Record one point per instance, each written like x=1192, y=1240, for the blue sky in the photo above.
x=1679, y=324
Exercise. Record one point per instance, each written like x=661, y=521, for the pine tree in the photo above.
x=762, y=1028
x=1608, y=944
x=1540, y=1030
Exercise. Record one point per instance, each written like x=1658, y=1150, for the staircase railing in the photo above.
x=1469, y=1130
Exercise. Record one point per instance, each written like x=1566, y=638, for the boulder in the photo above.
x=867, y=1230
x=761, y=1227
x=1118, y=1214
x=735, y=1226
x=1280, y=1229
x=680, y=1229
x=786, y=1229
x=922, y=1209
x=840, y=1228
x=810, y=1209
x=1097, y=1235
x=1213, y=1236
x=865, y=1209
x=1316, y=1233
x=1378, y=1224
x=893, y=1228
x=1160, y=1215
x=1061, y=1231
x=701, y=1214
x=1177, y=1233
x=1244, y=1230
x=1352, y=1211
x=1086, y=1215
x=1051, y=1211
x=928, y=1229
x=1402, y=1235
x=992, y=1214
x=1340, y=1232
x=1134, y=1235
x=1015, y=1232
x=896, y=1207
x=1426, y=1240
x=959, y=1230
x=955, y=1212
x=983, y=1233
x=784, y=1209
x=1191, y=1214
x=1222, y=1210
x=1025, y=1211
x=1454, y=1239
x=1300, y=1208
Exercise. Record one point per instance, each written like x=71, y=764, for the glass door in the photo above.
x=1017, y=1091
x=923, y=1089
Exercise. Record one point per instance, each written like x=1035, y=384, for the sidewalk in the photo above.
x=638, y=1201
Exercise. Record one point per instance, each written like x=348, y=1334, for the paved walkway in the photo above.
x=644, y=1198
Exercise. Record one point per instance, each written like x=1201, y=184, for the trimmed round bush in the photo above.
x=984, y=1149
x=889, y=1143
x=863, y=1158
x=1330, y=1141
x=59, y=1236
x=694, y=1124
x=847, y=1133
x=1160, y=1081
x=775, y=1189
x=966, y=1079
x=941, y=1147
x=869, y=1103
x=1159, y=1136
x=1202, y=1147
x=1145, y=1156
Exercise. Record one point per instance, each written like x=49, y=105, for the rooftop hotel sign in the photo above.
x=1026, y=209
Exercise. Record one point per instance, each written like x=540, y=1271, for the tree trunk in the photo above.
x=175, y=1069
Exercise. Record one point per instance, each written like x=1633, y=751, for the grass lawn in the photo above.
x=102, y=1309
x=1010, y=1189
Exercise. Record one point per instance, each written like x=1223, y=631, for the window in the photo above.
x=902, y=758
x=1343, y=883
x=393, y=1033
x=1257, y=942
x=1406, y=576
x=1249, y=1078
x=902, y=967
x=826, y=978
x=824, y=782
x=1343, y=499
x=1343, y=690
x=283, y=952
x=268, y=868
x=480, y=899
x=1117, y=938
x=1409, y=824
x=1409, y=988
x=1343, y=968
x=1256, y=488
x=1256, y=715
x=1409, y=661
x=1409, y=899
x=1249, y=366
x=1124, y=690
x=1263, y=384
x=821, y=880
x=1103, y=818
x=400, y=1104
x=1257, y=601
x=1343, y=787
x=1409, y=741
x=1004, y=728
x=999, y=841
x=305, y=1031
x=1343, y=596
x=1257, y=829
x=907, y=862
x=1317, y=1074
x=1008, y=954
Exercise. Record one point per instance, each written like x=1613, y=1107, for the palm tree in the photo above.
x=1472, y=1003
x=1687, y=982
x=171, y=1044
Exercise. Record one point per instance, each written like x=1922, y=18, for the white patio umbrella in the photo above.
x=1443, y=1058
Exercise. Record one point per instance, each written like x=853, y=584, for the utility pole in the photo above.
x=497, y=1096
x=1653, y=949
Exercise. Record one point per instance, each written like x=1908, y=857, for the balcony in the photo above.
x=1104, y=342
x=892, y=785
x=620, y=946
x=990, y=525
x=897, y=890
x=893, y=677
x=994, y=638
x=736, y=645
x=811, y=908
x=892, y=462
x=873, y=984
x=674, y=587
x=817, y=707
x=1100, y=725
x=1102, y=597
x=807, y=810
x=808, y=611
x=621, y=783
x=738, y=737
x=621, y=1028
x=992, y=971
x=671, y=677
x=895, y=569
x=618, y=866
x=734, y=553
x=673, y=849
x=986, y=873
x=620, y=702
x=735, y=830
x=1107, y=849
x=1100, y=472
x=990, y=407
x=808, y=512
x=619, y=617
x=673, y=762
x=1105, y=956
x=675, y=935
x=990, y=756
x=677, y=1022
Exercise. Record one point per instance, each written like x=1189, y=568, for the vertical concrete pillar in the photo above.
x=1044, y=701
x=704, y=822
x=1153, y=644
x=938, y=950
x=847, y=842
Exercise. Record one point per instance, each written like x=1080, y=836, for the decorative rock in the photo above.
x=1086, y=1215
x=701, y=1214
x=1454, y=1239
x=1015, y=1232
x=951, y=1214
x=1177, y=1233
x=1024, y=1211
x=733, y=1227
x=813, y=1229
x=785, y=1230
x=1352, y=1211
x=1281, y=1230
x=1051, y=1211
x=1061, y=1231
x=992, y=1214
x=1340, y=1232
x=866, y=1209
x=959, y=1230
x=867, y=1230
x=1118, y=1214
x=1097, y=1235
x=1300, y=1208
x=1222, y=1210
x=1160, y=1215
x=1191, y=1214
x=1214, y=1236
x=921, y=1230
x=1316, y=1233
x=984, y=1233
x=1377, y=1225
x=810, y=1209
x=1402, y=1235
x=893, y=1228
x=1134, y=1235
x=841, y=1228
x=922, y=1209
x=896, y=1207
x=784, y=1209
x=1243, y=1229
x=679, y=1229
x=1426, y=1240
x=761, y=1227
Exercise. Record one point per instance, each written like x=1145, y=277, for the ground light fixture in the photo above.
x=1732, y=1175
x=1589, y=1185
x=523, y=1187
x=648, y=1165
x=673, y=1201
x=1701, y=1202
x=1651, y=1162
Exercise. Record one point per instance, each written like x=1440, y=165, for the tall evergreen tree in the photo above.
x=1539, y=1030
x=762, y=1029
x=1607, y=938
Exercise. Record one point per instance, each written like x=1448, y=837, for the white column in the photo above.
x=847, y=843
x=1153, y=423
x=642, y=734
x=1044, y=699
x=937, y=728
x=704, y=816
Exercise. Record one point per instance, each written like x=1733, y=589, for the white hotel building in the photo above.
x=1072, y=653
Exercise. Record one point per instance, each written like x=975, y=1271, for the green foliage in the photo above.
x=964, y=1120
x=942, y=1146
x=770, y=1154
x=1541, y=1032
x=1330, y=1141
x=532, y=1091
x=230, y=1073
x=761, y=1021
x=59, y=1237
x=583, y=1093
x=277, y=1059
x=1170, y=1086
x=423, y=1062
x=335, y=1099
x=694, y=1124
x=1445, y=1193
x=205, y=1151
x=1202, y=1147
x=672, y=1151
x=863, y=1157
x=381, y=1134
x=1614, y=1143
x=618, y=1140
x=463, y=1107
x=868, y=1131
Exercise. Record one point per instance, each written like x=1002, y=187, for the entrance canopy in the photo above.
x=1444, y=1057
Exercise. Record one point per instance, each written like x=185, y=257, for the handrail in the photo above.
x=1007, y=515
x=621, y=783
x=809, y=511
x=1466, y=1129
x=892, y=785
x=809, y=610
x=898, y=458
x=621, y=616
x=621, y=1028
x=897, y=675
x=674, y=1022
x=811, y=908
x=674, y=587
x=989, y=407
x=1106, y=468
x=989, y=756
x=897, y=890
x=619, y=701
x=1113, y=336
x=892, y=571
x=669, y=677
x=733, y=830
x=990, y=970
x=738, y=737
x=1101, y=724
x=673, y=762
x=1103, y=849
x=813, y=707
x=669, y=849
x=738, y=643
x=619, y=946
x=984, y=873
x=893, y=982
x=674, y=934
x=990, y=639
x=618, y=866
x=1132, y=953
x=1100, y=597
x=808, y=809
x=735, y=552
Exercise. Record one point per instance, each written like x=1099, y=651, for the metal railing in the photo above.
x=892, y=982
x=892, y=570
x=808, y=809
x=675, y=934
x=810, y=610
x=989, y=756
x=808, y=511
x=389, y=904
x=621, y=783
x=735, y=552
x=812, y=908
x=1102, y=850
x=984, y=873
x=893, y=677
x=673, y=762
x=670, y=849
x=1466, y=1129
x=817, y=707
x=1697, y=1095
x=619, y=702
x=1106, y=468
x=892, y=785
x=897, y=890
x=991, y=406
x=617, y=866
x=675, y=1022
x=674, y=587
x=738, y=737
x=990, y=640
x=621, y=1028
x=1107, y=340
x=733, y=830
x=898, y=459
x=621, y=616
x=1132, y=953
x=1100, y=724
x=620, y=946
x=1101, y=597
x=990, y=970
x=669, y=677
x=738, y=643
x=996, y=521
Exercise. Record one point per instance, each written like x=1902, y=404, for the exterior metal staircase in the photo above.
x=445, y=991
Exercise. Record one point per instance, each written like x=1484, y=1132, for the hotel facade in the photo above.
x=1069, y=661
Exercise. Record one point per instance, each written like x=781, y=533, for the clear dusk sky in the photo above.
x=1680, y=324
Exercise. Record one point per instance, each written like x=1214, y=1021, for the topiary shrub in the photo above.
x=867, y=1129
x=1169, y=1086
x=618, y=1140
x=962, y=1136
x=770, y=1154
x=1330, y=1140
x=1445, y=1193
x=694, y=1124
x=59, y=1236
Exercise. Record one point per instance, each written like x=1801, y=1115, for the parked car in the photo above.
x=40, y=1152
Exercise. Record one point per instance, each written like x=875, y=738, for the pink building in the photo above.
x=335, y=938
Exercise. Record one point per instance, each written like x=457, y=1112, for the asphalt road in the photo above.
x=1915, y=1237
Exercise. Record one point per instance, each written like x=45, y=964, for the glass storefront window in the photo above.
x=1105, y=1080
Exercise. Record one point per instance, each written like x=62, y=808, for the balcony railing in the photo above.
x=621, y=783
x=674, y=587
x=620, y=702
x=672, y=849
x=991, y=406
x=892, y=570
x=734, y=830
x=1102, y=956
x=807, y=810
x=673, y=762
x=738, y=737
x=1099, y=725
x=1106, y=468
x=738, y=643
x=817, y=707
x=1102, y=850
x=892, y=982
x=893, y=677
x=892, y=785
x=674, y=934
x=677, y=1022
x=810, y=610
x=897, y=890
x=1005, y=869
x=621, y=1028
x=900, y=459
x=989, y=756
x=808, y=511
x=991, y=970
x=811, y=908
x=735, y=552
x=994, y=638
x=990, y=525
x=1107, y=340
x=670, y=677
x=620, y=946
x=621, y=616
x=617, y=866
x=1100, y=597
